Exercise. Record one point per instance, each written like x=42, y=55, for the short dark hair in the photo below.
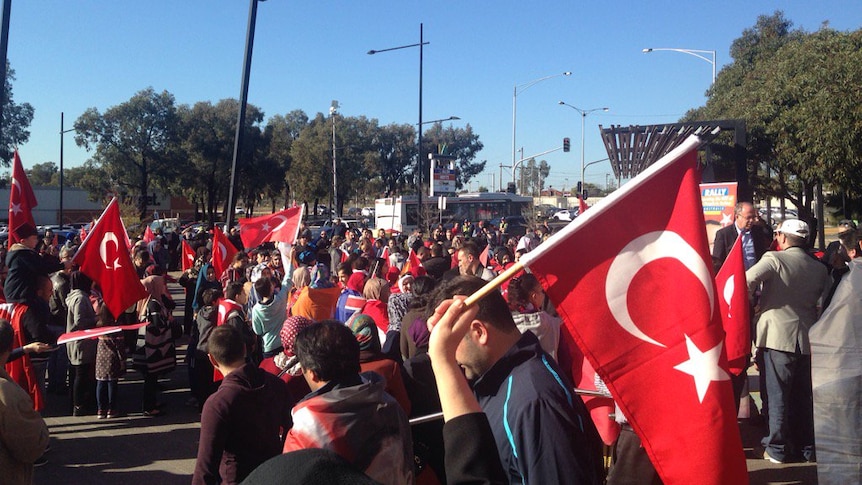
x=6, y=334
x=329, y=349
x=210, y=295
x=263, y=287
x=520, y=288
x=493, y=309
x=345, y=268
x=471, y=248
x=233, y=290
x=360, y=264
x=226, y=345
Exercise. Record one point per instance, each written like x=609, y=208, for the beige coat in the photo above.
x=793, y=285
x=23, y=433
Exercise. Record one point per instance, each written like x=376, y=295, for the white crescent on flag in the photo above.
x=637, y=254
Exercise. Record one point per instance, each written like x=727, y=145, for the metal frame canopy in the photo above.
x=633, y=148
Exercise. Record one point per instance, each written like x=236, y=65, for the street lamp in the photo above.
x=451, y=118
x=584, y=113
x=523, y=87
x=419, y=163
x=62, y=132
x=243, y=103
x=692, y=52
x=333, y=110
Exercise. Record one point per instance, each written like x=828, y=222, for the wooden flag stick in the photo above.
x=493, y=285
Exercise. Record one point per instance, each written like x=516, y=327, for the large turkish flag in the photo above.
x=188, y=258
x=21, y=199
x=631, y=278
x=104, y=257
x=223, y=251
x=282, y=226
x=735, y=310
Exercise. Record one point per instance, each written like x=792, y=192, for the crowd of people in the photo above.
x=311, y=359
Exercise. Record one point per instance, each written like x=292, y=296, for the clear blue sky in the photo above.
x=70, y=56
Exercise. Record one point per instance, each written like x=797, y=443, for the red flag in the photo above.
x=21, y=199
x=95, y=332
x=282, y=226
x=582, y=205
x=21, y=370
x=413, y=265
x=640, y=303
x=149, y=236
x=223, y=251
x=344, y=256
x=735, y=311
x=104, y=258
x=225, y=307
x=483, y=258
x=188, y=256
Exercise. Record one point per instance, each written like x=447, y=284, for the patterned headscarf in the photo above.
x=289, y=330
x=320, y=277
x=256, y=273
x=365, y=330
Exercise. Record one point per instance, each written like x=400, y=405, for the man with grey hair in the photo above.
x=792, y=285
x=754, y=244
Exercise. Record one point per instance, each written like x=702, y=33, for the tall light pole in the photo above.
x=692, y=52
x=243, y=103
x=584, y=113
x=62, y=132
x=419, y=161
x=333, y=110
x=522, y=88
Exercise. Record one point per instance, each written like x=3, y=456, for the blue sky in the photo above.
x=70, y=56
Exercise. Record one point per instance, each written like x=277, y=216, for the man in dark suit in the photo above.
x=754, y=241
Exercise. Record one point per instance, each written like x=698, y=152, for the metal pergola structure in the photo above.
x=631, y=149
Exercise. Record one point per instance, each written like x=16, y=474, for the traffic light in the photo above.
x=579, y=188
x=586, y=195
x=566, y=144
x=510, y=187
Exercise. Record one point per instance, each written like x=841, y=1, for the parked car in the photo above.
x=565, y=215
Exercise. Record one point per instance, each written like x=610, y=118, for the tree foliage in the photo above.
x=798, y=93
x=461, y=143
x=136, y=143
x=16, y=120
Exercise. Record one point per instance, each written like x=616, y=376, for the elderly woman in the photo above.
x=284, y=364
x=155, y=354
x=376, y=293
x=372, y=359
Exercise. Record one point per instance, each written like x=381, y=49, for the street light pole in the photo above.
x=692, y=52
x=62, y=132
x=243, y=103
x=584, y=113
x=333, y=110
x=419, y=163
x=523, y=88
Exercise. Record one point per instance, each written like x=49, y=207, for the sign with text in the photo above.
x=719, y=200
x=442, y=174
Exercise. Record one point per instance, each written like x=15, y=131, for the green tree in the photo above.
x=43, y=174
x=461, y=143
x=797, y=92
x=281, y=131
x=532, y=176
x=394, y=164
x=136, y=143
x=16, y=120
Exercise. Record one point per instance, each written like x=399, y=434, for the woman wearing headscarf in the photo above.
x=82, y=353
x=372, y=359
x=284, y=364
x=317, y=301
x=350, y=300
x=414, y=330
x=155, y=353
x=376, y=293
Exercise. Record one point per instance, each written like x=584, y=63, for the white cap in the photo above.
x=794, y=227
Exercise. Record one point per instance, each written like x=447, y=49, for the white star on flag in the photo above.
x=703, y=366
x=15, y=209
x=725, y=219
x=265, y=227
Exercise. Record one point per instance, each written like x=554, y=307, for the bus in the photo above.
x=401, y=213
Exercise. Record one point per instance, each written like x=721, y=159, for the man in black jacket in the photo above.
x=543, y=431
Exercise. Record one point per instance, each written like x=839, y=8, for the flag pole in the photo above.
x=493, y=284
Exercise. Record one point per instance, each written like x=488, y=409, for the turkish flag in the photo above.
x=483, y=258
x=188, y=256
x=735, y=310
x=223, y=251
x=104, y=257
x=412, y=265
x=21, y=370
x=582, y=205
x=640, y=303
x=21, y=199
x=282, y=226
x=149, y=236
x=225, y=307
